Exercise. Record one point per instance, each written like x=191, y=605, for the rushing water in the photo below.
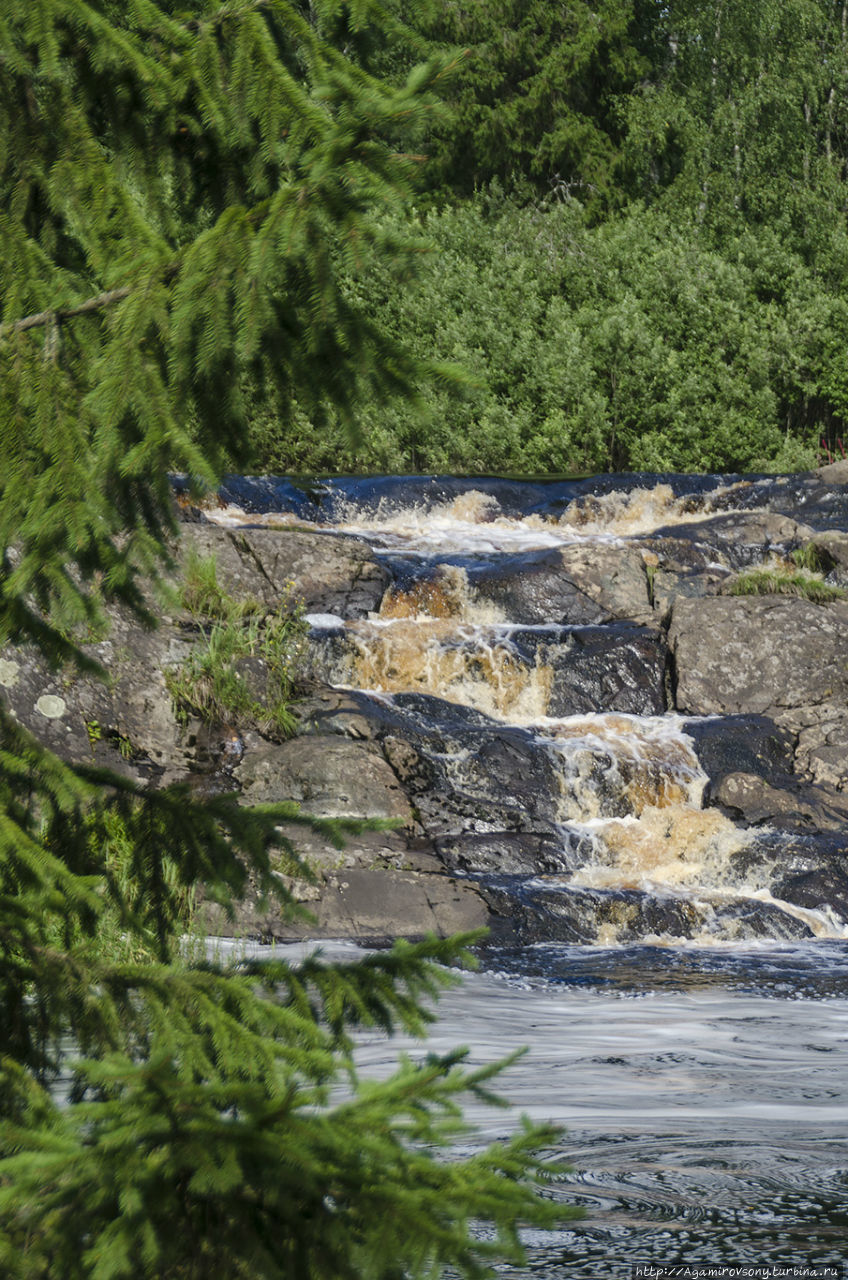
x=695, y=1046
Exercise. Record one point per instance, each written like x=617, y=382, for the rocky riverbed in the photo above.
x=579, y=733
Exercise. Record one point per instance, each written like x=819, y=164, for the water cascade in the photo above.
x=650, y=797
x=539, y=608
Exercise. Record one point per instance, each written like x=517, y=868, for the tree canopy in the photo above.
x=639, y=215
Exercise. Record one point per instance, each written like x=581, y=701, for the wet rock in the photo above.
x=464, y=771
x=334, y=573
x=739, y=539
x=580, y=584
x=502, y=780
x=666, y=553
x=528, y=913
x=816, y=498
x=758, y=654
x=753, y=770
x=503, y=853
x=824, y=890
x=742, y=744
x=805, y=870
x=548, y=671
x=614, y=668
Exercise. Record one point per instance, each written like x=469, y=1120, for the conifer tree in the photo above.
x=179, y=186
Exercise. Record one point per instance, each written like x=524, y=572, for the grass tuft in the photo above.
x=214, y=682
x=217, y=681
x=202, y=595
x=778, y=581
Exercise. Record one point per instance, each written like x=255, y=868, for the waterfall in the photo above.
x=544, y=610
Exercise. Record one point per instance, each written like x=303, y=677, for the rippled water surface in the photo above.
x=704, y=1095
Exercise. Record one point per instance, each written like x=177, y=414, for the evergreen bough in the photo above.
x=179, y=187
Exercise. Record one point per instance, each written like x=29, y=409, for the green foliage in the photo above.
x=813, y=558
x=214, y=682
x=713, y=140
x=534, y=98
x=202, y=595
x=186, y=195
x=239, y=651
x=778, y=580
x=178, y=1173
x=205, y=1130
x=114, y=851
x=741, y=118
x=178, y=194
x=634, y=344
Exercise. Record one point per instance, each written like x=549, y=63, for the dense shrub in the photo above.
x=636, y=344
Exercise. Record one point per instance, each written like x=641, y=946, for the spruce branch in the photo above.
x=57, y=315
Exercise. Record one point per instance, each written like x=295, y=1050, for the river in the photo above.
x=686, y=1018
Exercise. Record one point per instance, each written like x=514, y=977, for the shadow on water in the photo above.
x=816, y=971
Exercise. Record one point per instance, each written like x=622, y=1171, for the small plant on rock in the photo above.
x=219, y=679
x=814, y=557
x=202, y=595
x=780, y=580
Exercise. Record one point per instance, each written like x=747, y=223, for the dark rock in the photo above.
x=615, y=668
x=526, y=914
x=664, y=552
x=503, y=853
x=503, y=780
x=464, y=771
x=580, y=584
x=824, y=890
x=568, y=670
x=816, y=498
x=739, y=539
x=742, y=744
x=751, y=765
x=805, y=870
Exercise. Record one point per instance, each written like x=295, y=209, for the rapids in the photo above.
x=684, y=1022
x=641, y=855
